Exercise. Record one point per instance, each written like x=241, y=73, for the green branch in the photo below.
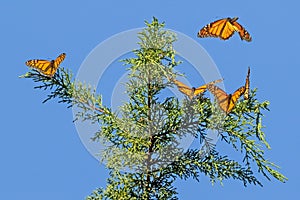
x=144, y=136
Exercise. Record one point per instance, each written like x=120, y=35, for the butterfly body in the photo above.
x=46, y=67
x=224, y=29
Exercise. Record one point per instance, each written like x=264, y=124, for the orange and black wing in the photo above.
x=234, y=97
x=203, y=88
x=225, y=101
x=224, y=29
x=59, y=60
x=221, y=28
x=221, y=96
x=40, y=65
x=242, y=31
x=184, y=88
x=247, y=85
x=46, y=67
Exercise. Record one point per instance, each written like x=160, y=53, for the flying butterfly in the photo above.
x=46, y=67
x=224, y=29
x=226, y=101
x=247, y=85
x=192, y=92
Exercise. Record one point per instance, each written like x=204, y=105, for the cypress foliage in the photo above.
x=142, y=151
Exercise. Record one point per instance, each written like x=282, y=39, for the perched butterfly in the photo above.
x=46, y=67
x=192, y=92
x=226, y=101
x=247, y=85
x=224, y=29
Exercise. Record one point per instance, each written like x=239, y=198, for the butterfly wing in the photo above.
x=46, y=67
x=242, y=31
x=51, y=70
x=184, y=88
x=247, y=85
x=228, y=29
x=222, y=28
x=59, y=60
x=41, y=65
x=234, y=97
x=220, y=95
x=203, y=88
x=212, y=29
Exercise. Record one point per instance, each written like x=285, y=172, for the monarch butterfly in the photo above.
x=192, y=92
x=224, y=29
x=247, y=85
x=46, y=67
x=226, y=101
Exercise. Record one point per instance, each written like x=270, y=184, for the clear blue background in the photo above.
x=41, y=154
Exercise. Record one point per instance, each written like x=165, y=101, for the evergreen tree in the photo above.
x=142, y=151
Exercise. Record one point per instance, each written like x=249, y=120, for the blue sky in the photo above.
x=42, y=155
